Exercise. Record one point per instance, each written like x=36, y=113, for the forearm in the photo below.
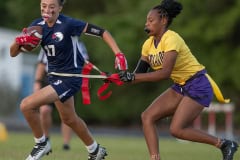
x=111, y=42
x=40, y=72
x=39, y=76
x=151, y=76
x=14, y=49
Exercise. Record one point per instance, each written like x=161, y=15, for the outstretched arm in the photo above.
x=169, y=60
x=163, y=73
x=107, y=37
x=120, y=61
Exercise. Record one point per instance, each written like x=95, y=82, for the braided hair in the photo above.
x=169, y=9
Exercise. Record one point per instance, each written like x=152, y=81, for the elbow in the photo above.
x=164, y=75
x=13, y=53
x=14, y=50
x=104, y=31
x=105, y=34
x=167, y=75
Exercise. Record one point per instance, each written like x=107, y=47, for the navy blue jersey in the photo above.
x=60, y=44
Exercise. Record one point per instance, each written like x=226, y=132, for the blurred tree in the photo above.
x=20, y=13
x=3, y=9
x=209, y=27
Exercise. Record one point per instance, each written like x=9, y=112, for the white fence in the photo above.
x=227, y=109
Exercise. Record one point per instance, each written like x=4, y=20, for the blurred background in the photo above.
x=209, y=27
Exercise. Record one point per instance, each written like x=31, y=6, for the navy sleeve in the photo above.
x=77, y=27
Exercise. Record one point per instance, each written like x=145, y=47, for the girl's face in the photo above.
x=50, y=10
x=154, y=24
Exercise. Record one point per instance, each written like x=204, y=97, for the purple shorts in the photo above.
x=197, y=87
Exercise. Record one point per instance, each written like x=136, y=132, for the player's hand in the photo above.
x=107, y=74
x=24, y=31
x=126, y=76
x=25, y=39
x=121, y=62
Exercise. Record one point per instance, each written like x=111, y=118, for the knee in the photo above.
x=175, y=131
x=146, y=118
x=69, y=121
x=45, y=110
x=24, y=105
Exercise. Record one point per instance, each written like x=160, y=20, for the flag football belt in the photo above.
x=217, y=92
x=87, y=68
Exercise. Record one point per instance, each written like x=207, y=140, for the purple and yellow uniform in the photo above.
x=188, y=74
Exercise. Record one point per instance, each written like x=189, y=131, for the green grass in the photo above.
x=19, y=145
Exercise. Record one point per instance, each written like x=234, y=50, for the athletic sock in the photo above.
x=91, y=148
x=219, y=143
x=40, y=140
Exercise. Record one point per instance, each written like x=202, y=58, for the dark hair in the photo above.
x=61, y=2
x=169, y=9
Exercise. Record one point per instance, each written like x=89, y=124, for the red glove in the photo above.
x=25, y=39
x=121, y=61
x=24, y=31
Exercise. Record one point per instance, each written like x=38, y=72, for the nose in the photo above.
x=146, y=23
x=46, y=9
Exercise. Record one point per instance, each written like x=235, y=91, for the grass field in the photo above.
x=19, y=145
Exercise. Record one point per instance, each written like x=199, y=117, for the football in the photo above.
x=35, y=31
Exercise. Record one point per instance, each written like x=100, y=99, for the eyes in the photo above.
x=150, y=20
x=45, y=6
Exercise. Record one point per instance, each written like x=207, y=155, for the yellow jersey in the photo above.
x=186, y=64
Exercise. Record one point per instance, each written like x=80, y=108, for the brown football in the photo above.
x=33, y=31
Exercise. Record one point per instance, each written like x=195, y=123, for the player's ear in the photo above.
x=60, y=8
x=164, y=20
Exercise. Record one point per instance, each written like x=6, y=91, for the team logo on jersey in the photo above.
x=56, y=83
x=156, y=59
x=58, y=36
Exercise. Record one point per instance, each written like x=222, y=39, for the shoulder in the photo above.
x=147, y=46
x=64, y=18
x=70, y=20
x=148, y=42
x=171, y=33
x=171, y=39
x=38, y=22
x=172, y=36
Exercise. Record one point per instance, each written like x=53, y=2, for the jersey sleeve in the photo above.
x=145, y=47
x=172, y=43
x=77, y=27
x=36, y=22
